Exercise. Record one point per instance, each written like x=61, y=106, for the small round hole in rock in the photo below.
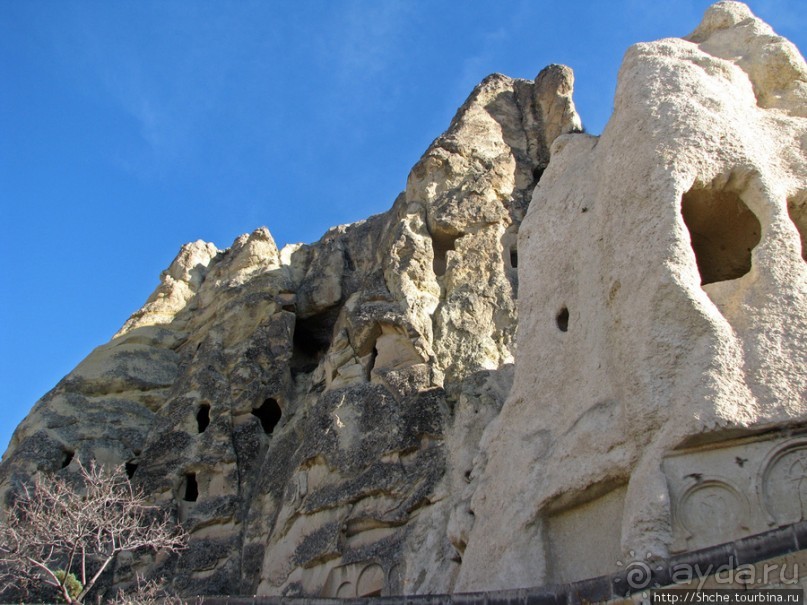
x=269, y=414
x=562, y=320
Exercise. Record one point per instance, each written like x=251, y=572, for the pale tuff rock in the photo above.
x=337, y=419
x=554, y=86
x=677, y=318
x=294, y=407
x=179, y=283
x=468, y=193
x=772, y=64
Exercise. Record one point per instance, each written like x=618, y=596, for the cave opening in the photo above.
x=723, y=232
x=191, y=488
x=203, y=417
x=562, y=319
x=537, y=173
x=131, y=468
x=513, y=258
x=442, y=243
x=269, y=414
x=67, y=458
x=371, y=362
x=312, y=337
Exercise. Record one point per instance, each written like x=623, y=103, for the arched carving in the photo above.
x=710, y=510
x=365, y=579
x=371, y=581
x=783, y=483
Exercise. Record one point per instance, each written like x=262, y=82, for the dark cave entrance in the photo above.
x=67, y=458
x=312, y=337
x=203, y=417
x=269, y=414
x=723, y=231
x=562, y=319
x=514, y=258
x=191, y=488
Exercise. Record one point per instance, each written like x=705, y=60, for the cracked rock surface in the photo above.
x=662, y=308
x=312, y=414
x=352, y=418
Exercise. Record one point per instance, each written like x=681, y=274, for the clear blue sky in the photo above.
x=130, y=127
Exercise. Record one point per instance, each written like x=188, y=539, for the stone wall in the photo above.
x=775, y=559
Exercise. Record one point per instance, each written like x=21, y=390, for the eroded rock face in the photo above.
x=345, y=419
x=661, y=372
x=312, y=413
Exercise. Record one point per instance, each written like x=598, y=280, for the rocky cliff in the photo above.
x=662, y=357
x=312, y=413
x=337, y=419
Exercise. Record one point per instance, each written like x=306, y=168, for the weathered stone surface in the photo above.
x=294, y=407
x=663, y=305
x=337, y=419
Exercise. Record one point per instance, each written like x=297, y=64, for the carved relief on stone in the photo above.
x=712, y=509
x=784, y=483
x=729, y=490
x=365, y=579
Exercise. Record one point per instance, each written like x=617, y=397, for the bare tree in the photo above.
x=63, y=534
x=151, y=592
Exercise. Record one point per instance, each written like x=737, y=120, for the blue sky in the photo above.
x=128, y=128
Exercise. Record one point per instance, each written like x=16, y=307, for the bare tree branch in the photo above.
x=62, y=535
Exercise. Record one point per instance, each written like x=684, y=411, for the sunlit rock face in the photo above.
x=345, y=418
x=312, y=414
x=662, y=343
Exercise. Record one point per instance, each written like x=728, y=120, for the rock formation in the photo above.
x=313, y=413
x=662, y=319
x=337, y=419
